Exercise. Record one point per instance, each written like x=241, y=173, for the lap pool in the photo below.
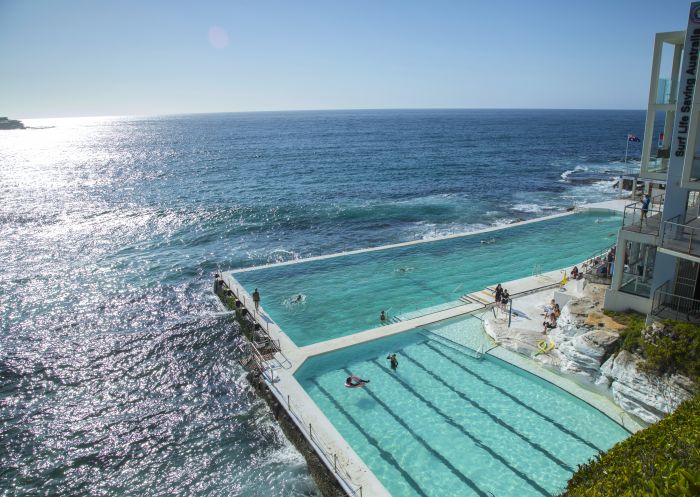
x=446, y=423
x=344, y=294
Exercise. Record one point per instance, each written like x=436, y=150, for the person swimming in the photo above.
x=354, y=382
x=488, y=241
x=393, y=361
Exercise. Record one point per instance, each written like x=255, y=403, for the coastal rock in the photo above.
x=585, y=341
x=648, y=397
x=582, y=348
x=586, y=352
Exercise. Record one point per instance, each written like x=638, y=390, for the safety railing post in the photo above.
x=690, y=241
x=510, y=311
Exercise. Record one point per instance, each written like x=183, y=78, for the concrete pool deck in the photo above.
x=320, y=432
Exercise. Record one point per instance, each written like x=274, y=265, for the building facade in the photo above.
x=657, y=260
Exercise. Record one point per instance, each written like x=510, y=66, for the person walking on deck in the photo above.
x=256, y=299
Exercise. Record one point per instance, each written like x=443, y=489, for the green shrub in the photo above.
x=676, y=351
x=631, y=334
x=662, y=460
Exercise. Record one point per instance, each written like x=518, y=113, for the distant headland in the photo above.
x=6, y=123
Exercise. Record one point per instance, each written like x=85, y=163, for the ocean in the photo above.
x=118, y=366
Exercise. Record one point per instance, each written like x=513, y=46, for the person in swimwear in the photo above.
x=499, y=293
x=354, y=382
x=393, y=361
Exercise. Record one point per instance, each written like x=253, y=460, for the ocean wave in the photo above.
x=532, y=208
x=565, y=175
x=432, y=231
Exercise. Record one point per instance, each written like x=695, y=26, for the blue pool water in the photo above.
x=344, y=295
x=447, y=424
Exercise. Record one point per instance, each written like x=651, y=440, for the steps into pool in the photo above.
x=476, y=354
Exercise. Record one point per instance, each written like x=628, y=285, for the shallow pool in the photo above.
x=448, y=424
x=343, y=295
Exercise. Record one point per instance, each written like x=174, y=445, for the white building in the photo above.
x=657, y=261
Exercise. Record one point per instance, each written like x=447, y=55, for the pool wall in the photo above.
x=279, y=368
x=605, y=207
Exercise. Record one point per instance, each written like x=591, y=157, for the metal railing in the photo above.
x=669, y=305
x=263, y=324
x=680, y=237
x=333, y=461
x=596, y=260
x=634, y=215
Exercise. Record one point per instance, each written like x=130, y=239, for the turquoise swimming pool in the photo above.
x=448, y=424
x=345, y=294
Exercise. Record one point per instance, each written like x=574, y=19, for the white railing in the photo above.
x=336, y=463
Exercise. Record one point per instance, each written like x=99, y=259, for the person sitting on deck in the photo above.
x=574, y=273
x=354, y=382
x=556, y=312
x=549, y=308
x=550, y=323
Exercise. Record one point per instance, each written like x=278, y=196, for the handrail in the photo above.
x=264, y=325
x=601, y=255
x=351, y=489
x=680, y=233
x=632, y=216
x=683, y=308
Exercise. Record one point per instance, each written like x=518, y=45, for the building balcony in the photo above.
x=665, y=92
x=633, y=220
x=682, y=236
x=667, y=305
x=656, y=165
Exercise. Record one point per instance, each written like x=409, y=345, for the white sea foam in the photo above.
x=565, y=175
x=531, y=208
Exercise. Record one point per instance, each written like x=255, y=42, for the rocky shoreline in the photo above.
x=584, y=345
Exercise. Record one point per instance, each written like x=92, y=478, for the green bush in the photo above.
x=631, y=334
x=662, y=460
x=676, y=351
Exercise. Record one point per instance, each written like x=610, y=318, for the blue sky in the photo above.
x=89, y=58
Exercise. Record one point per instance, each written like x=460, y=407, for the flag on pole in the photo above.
x=632, y=138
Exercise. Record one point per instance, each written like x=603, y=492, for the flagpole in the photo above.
x=627, y=146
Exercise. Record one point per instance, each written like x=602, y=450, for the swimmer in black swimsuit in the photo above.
x=393, y=361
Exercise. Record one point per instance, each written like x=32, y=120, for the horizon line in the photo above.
x=353, y=109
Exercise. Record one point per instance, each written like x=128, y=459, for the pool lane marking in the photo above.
x=465, y=479
x=387, y=456
x=493, y=417
x=514, y=398
x=448, y=419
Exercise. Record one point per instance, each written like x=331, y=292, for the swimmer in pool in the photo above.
x=393, y=361
x=354, y=382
